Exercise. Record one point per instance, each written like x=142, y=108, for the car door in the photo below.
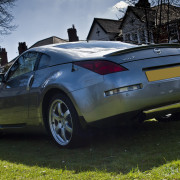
x=40, y=76
x=14, y=92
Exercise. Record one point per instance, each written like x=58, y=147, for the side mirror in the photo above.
x=2, y=77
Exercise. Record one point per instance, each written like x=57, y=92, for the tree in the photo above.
x=6, y=17
x=163, y=10
x=166, y=11
x=155, y=2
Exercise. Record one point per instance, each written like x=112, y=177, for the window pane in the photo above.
x=44, y=61
x=142, y=36
x=24, y=64
x=29, y=61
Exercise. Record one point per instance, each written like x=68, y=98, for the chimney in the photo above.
x=3, y=57
x=143, y=4
x=22, y=47
x=72, y=33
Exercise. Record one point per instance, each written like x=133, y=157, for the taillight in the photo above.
x=101, y=66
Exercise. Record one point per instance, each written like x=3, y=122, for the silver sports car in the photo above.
x=67, y=87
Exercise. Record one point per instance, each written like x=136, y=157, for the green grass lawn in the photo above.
x=149, y=151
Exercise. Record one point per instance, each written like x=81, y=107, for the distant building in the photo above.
x=104, y=30
x=134, y=27
x=141, y=25
x=72, y=33
x=50, y=40
x=3, y=57
x=22, y=47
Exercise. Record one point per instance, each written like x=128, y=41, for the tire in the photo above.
x=169, y=117
x=62, y=122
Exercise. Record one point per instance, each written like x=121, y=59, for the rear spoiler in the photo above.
x=144, y=47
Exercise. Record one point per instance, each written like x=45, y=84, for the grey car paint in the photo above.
x=22, y=103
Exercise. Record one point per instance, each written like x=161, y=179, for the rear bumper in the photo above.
x=136, y=116
x=153, y=99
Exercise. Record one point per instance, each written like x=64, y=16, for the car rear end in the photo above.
x=145, y=83
x=152, y=81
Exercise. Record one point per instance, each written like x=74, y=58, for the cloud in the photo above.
x=118, y=10
x=120, y=5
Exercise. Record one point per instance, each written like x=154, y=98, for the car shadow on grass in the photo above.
x=116, y=150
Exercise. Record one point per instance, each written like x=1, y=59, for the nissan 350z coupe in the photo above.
x=67, y=87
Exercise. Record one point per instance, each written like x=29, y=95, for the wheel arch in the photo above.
x=47, y=97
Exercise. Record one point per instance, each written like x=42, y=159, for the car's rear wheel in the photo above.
x=63, y=122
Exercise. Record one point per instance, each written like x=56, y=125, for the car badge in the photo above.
x=129, y=58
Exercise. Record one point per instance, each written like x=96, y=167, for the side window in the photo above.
x=24, y=64
x=44, y=61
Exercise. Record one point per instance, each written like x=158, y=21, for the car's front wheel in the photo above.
x=63, y=122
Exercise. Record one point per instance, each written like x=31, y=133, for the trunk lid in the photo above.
x=144, y=52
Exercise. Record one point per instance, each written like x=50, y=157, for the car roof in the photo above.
x=68, y=52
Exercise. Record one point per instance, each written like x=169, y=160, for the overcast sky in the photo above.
x=40, y=19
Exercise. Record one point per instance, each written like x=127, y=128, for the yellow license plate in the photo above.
x=165, y=73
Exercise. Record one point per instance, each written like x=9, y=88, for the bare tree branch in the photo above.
x=164, y=12
x=131, y=2
x=6, y=17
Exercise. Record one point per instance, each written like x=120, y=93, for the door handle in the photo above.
x=30, y=81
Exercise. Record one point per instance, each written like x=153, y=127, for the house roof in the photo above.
x=108, y=25
x=50, y=40
x=43, y=42
x=140, y=14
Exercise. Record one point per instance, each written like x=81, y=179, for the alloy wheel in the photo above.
x=60, y=122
